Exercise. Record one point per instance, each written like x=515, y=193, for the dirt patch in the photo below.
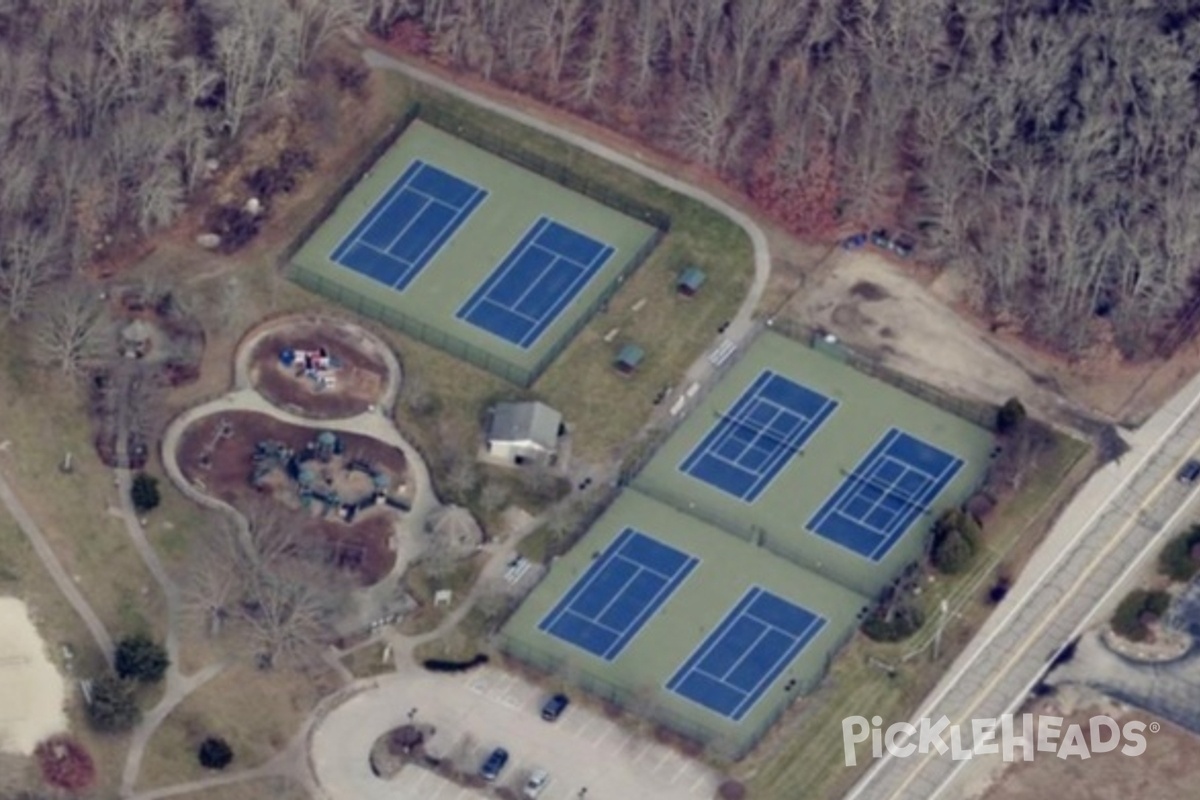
x=1165, y=770
x=217, y=454
x=910, y=330
x=32, y=693
x=354, y=384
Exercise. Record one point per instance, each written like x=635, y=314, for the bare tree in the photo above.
x=596, y=72
x=452, y=534
x=493, y=497
x=703, y=127
x=316, y=22
x=462, y=477
x=29, y=258
x=257, y=55
x=72, y=330
x=254, y=580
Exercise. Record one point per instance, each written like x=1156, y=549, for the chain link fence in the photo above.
x=441, y=117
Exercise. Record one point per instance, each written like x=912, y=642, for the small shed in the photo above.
x=629, y=358
x=690, y=281
x=520, y=432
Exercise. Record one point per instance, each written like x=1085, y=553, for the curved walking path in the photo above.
x=339, y=730
x=177, y=685
x=246, y=347
x=244, y=398
x=379, y=426
x=57, y=573
x=741, y=324
x=373, y=424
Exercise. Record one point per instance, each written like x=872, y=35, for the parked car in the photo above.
x=494, y=764
x=880, y=238
x=903, y=245
x=554, y=707
x=536, y=783
x=855, y=241
x=1189, y=472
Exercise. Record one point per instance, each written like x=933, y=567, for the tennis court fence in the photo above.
x=440, y=117
x=456, y=125
x=369, y=156
x=976, y=411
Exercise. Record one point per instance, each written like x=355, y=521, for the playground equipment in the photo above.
x=316, y=365
x=302, y=469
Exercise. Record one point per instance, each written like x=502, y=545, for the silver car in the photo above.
x=536, y=783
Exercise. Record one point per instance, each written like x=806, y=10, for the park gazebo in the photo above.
x=628, y=359
x=690, y=281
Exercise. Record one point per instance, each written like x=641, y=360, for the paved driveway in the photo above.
x=480, y=710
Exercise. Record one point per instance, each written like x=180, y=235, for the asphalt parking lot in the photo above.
x=476, y=712
x=589, y=748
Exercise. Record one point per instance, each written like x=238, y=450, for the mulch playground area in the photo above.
x=353, y=384
x=223, y=454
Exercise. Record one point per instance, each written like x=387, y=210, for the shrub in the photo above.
x=440, y=665
x=65, y=764
x=894, y=625
x=113, y=708
x=1009, y=416
x=235, y=225
x=955, y=541
x=1137, y=611
x=215, y=753
x=144, y=492
x=138, y=658
x=999, y=590
x=404, y=740
x=1180, y=559
x=731, y=789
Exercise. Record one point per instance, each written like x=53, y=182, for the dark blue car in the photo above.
x=495, y=762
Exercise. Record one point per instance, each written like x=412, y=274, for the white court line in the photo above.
x=501, y=272
x=377, y=206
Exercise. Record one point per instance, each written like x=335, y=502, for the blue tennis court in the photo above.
x=881, y=498
x=736, y=663
x=406, y=227
x=549, y=266
x=756, y=438
x=607, y=606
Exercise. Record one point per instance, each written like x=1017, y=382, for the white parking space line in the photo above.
x=618, y=744
x=587, y=725
x=647, y=758
x=668, y=764
x=699, y=786
x=684, y=768
x=604, y=734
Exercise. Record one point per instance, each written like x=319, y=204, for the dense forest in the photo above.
x=110, y=111
x=1047, y=150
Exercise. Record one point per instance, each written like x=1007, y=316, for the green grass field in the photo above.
x=516, y=199
x=867, y=409
x=728, y=568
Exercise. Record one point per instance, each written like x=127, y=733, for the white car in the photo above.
x=536, y=783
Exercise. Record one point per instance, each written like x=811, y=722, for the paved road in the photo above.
x=1118, y=519
x=59, y=575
